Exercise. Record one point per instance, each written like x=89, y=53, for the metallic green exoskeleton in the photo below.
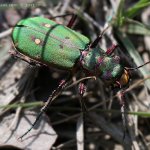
x=56, y=45
x=51, y=43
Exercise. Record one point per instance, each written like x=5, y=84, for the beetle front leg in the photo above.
x=52, y=97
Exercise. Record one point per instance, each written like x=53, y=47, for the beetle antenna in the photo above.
x=138, y=66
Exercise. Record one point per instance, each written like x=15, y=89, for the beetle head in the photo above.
x=124, y=79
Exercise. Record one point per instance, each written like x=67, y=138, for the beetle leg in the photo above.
x=82, y=89
x=111, y=49
x=99, y=37
x=25, y=58
x=72, y=20
x=52, y=97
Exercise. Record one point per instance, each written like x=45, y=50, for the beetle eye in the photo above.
x=124, y=78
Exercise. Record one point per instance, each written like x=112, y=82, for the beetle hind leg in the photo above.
x=72, y=21
x=52, y=97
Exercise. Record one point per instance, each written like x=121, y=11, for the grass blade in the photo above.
x=135, y=27
x=136, y=9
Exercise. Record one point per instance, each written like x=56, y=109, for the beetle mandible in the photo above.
x=42, y=41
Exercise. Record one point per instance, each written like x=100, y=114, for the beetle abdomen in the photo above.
x=49, y=42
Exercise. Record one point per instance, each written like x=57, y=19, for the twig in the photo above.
x=5, y=33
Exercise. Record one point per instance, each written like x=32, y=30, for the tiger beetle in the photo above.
x=40, y=41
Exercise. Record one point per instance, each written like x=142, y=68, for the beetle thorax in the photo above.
x=99, y=64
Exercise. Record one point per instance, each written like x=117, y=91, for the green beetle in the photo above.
x=42, y=41
x=56, y=45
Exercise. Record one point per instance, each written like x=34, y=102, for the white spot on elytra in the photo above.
x=37, y=41
x=47, y=25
